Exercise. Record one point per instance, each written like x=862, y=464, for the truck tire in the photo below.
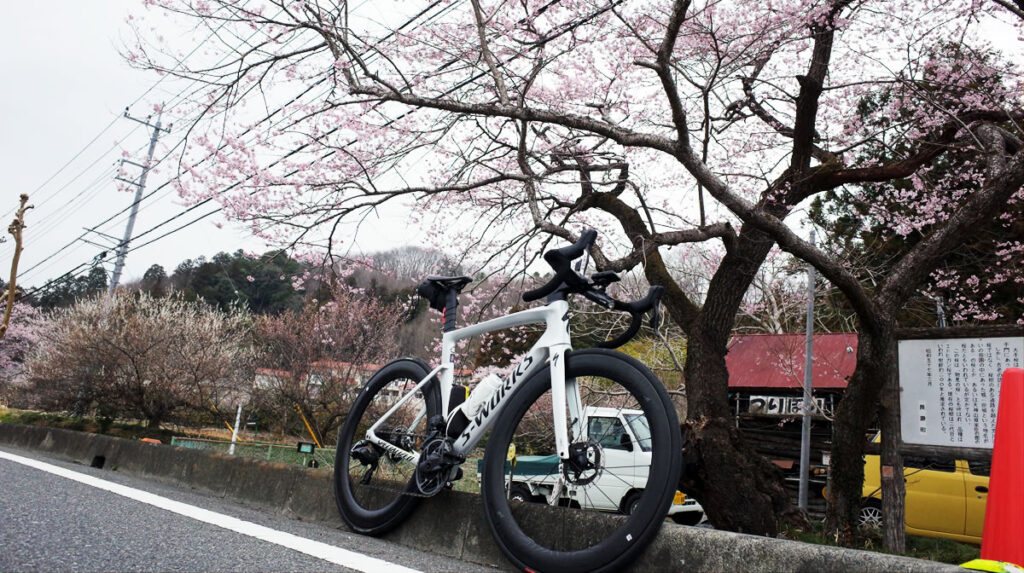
x=630, y=503
x=688, y=517
x=520, y=493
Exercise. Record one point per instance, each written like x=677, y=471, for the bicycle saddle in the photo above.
x=447, y=283
x=436, y=289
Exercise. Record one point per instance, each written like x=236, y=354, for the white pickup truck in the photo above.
x=624, y=437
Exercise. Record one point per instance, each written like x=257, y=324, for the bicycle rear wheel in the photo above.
x=635, y=476
x=372, y=487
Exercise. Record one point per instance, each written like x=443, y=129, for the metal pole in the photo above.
x=805, y=431
x=234, y=431
x=122, y=249
x=308, y=427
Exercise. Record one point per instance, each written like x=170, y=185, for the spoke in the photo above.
x=587, y=495
x=624, y=481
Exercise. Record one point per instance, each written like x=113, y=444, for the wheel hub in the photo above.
x=584, y=463
x=400, y=437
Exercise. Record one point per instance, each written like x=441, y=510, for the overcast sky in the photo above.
x=65, y=89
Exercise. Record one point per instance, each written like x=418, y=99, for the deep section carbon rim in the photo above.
x=374, y=486
x=627, y=455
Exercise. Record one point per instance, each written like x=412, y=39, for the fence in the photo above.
x=320, y=457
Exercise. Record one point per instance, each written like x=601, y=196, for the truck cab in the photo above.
x=624, y=438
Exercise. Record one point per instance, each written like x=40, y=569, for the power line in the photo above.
x=176, y=97
x=114, y=120
x=296, y=98
x=247, y=131
x=65, y=166
x=565, y=29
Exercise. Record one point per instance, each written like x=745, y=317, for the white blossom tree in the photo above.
x=135, y=355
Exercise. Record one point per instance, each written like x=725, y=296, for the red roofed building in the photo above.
x=766, y=372
x=766, y=378
x=776, y=361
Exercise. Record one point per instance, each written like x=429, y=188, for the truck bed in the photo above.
x=529, y=465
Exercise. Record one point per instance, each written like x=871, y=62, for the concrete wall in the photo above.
x=308, y=493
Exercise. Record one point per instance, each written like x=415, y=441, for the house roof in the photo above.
x=777, y=360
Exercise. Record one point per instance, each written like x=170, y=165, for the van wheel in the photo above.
x=870, y=516
x=631, y=502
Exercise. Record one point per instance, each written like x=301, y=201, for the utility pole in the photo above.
x=805, y=430
x=940, y=311
x=140, y=185
x=234, y=431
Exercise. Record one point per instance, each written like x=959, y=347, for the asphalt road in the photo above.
x=51, y=522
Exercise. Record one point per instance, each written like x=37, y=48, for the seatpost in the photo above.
x=451, y=303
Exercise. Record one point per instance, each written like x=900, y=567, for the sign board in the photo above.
x=305, y=448
x=782, y=405
x=949, y=388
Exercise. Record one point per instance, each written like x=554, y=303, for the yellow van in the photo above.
x=945, y=498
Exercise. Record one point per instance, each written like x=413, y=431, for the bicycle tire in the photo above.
x=539, y=538
x=379, y=506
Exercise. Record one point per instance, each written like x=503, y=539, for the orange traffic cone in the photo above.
x=1003, y=534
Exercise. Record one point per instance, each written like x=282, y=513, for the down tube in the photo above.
x=480, y=423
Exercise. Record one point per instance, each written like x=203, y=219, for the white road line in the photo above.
x=336, y=555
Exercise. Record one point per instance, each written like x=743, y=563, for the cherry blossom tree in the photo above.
x=21, y=337
x=662, y=124
x=315, y=358
x=877, y=223
x=978, y=130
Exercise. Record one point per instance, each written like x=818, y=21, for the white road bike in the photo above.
x=411, y=428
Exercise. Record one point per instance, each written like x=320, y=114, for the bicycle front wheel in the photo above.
x=626, y=457
x=375, y=489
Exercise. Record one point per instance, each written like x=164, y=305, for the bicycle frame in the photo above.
x=549, y=349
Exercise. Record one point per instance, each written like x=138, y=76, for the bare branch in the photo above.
x=15, y=229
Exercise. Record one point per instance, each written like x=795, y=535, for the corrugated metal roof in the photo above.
x=777, y=360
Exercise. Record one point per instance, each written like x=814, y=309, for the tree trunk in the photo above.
x=872, y=385
x=739, y=489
